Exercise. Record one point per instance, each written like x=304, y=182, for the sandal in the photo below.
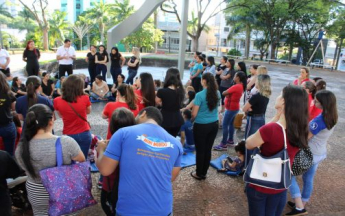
x=194, y=175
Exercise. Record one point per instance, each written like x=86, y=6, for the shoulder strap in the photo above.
x=58, y=147
x=285, y=145
x=81, y=117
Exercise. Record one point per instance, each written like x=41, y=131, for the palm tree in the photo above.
x=4, y=12
x=101, y=14
x=122, y=10
x=194, y=31
x=58, y=26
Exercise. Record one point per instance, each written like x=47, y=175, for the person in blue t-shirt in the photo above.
x=149, y=160
x=33, y=88
x=196, y=74
x=186, y=132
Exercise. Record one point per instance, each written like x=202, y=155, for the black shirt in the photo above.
x=171, y=105
x=115, y=61
x=6, y=100
x=47, y=89
x=219, y=67
x=101, y=56
x=132, y=60
x=31, y=56
x=21, y=88
x=259, y=104
x=91, y=59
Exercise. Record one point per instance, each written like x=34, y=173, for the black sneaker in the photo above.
x=297, y=212
x=292, y=205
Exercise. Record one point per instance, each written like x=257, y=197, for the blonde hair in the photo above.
x=262, y=70
x=190, y=88
x=137, y=53
x=264, y=85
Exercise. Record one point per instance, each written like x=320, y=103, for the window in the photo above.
x=64, y=5
x=78, y=6
x=223, y=42
x=226, y=29
x=175, y=40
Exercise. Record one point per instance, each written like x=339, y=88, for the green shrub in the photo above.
x=234, y=52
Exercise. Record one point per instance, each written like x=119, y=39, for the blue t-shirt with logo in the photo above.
x=147, y=155
x=197, y=66
x=187, y=127
x=205, y=116
x=22, y=104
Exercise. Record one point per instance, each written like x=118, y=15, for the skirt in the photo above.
x=38, y=197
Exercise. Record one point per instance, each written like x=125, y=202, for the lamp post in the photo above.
x=169, y=41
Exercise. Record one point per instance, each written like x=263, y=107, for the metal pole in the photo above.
x=169, y=43
x=1, y=41
x=183, y=37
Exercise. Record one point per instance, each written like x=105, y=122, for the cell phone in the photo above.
x=230, y=160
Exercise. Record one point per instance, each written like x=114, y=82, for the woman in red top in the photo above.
x=146, y=93
x=126, y=98
x=292, y=114
x=73, y=107
x=232, y=106
x=310, y=88
x=303, y=77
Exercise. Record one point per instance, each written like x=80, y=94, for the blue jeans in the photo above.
x=115, y=72
x=84, y=141
x=131, y=74
x=262, y=204
x=228, y=125
x=253, y=125
x=102, y=68
x=97, y=97
x=9, y=134
x=308, y=182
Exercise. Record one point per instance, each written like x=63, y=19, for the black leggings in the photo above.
x=204, y=136
x=196, y=83
x=65, y=68
x=32, y=68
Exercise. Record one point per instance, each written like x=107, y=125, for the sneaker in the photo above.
x=297, y=212
x=290, y=204
x=221, y=147
x=100, y=185
x=230, y=143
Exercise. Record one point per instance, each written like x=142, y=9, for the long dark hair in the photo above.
x=211, y=60
x=243, y=67
x=172, y=77
x=105, y=53
x=32, y=84
x=4, y=87
x=120, y=118
x=14, y=82
x=38, y=117
x=296, y=115
x=232, y=64
x=212, y=89
x=243, y=79
x=123, y=79
x=311, y=87
x=27, y=47
x=72, y=88
x=191, y=96
x=320, y=85
x=328, y=102
x=127, y=92
x=117, y=54
x=147, y=89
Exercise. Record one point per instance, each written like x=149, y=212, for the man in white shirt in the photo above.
x=65, y=55
x=4, y=62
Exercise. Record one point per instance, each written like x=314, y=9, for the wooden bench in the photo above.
x=279, y=61
x=16, y=49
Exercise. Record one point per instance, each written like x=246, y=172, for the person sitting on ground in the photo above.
x=120, y=80
x=18, y=87
x=87, y=86
x=235, y=164
x=47, y=85
x=135, y=148
x=187, y=137
x=186, y=100
x=100, y=89
x=58, y=86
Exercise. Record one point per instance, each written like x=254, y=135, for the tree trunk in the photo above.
x=88, y=39
x=335, y=54
x=195, y=44
x=1, y=41
x=81, y=43
x=101, y=30
x=339, y=51
x=155, y=15
x=45, y=38
x=248, y=31
x=273, y=50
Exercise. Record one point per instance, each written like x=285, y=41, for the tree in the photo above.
x=58, y=27
x=40, y=17
x=122, y=10
x=4, y=12
x=81, y=30
x=101, y=13
x=202, y=19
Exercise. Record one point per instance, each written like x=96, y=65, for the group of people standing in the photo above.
x=141, y=148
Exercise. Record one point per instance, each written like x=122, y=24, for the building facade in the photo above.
x=74, y=8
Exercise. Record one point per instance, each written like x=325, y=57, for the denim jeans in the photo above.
x=96, y=97
x=102, y=68
x=8, y=134
x=308, y=181
x=115, y=72
x=84, y=141
x=253, y=125
x=228, y=125
x=131, y=74
x=262, y=204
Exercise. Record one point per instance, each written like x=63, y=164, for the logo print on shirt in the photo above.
x=155, y=144
x=313, y=125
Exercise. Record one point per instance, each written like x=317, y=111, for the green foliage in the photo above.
x=234, y=52
x=59, y=27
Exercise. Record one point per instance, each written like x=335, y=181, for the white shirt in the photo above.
x=211, y=70
x=63, y=51
x=3, y=55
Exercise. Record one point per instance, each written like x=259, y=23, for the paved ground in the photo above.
x=222, y=195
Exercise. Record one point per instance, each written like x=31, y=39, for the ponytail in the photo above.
x=31, y=93
x=130, y=98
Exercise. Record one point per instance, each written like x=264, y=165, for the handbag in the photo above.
x=69, y=186
x=81, y=117
x=238, y=120
x=302, y=161
x=272, y=172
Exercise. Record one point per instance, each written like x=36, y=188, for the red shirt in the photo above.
x=140, y=102
x=273, y=137
x=111, y=107
x=72, y=123
x=313, y=110
x=232, y=100
x=296, y=81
